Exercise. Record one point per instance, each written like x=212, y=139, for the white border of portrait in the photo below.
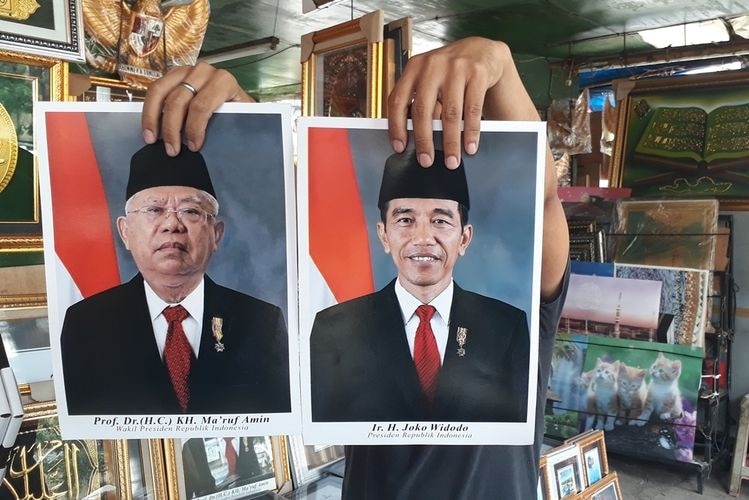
x=63, y=41
x=63, y=292
x=314, y=297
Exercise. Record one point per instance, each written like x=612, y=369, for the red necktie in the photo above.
x=426, y=355
x=178, y=354
x=231, y=456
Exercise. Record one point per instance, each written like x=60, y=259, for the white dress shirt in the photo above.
x=440, y=321
x=193, y=303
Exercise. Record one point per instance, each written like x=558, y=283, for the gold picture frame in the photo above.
x=175, y=453
x=342, y=68
x=677, y=164
x=76, y=468
x=24, y=80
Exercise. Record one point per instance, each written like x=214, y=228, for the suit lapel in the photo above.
x=452, y=361
x=393, y=347
x=208, y=356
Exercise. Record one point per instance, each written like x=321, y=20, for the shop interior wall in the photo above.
x=740, y=347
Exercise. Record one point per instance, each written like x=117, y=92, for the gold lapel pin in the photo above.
x=216, y=325
x=461, y=337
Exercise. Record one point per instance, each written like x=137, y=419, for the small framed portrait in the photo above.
x=593, y=450
x=309, y=462
x=564, y=472
x=184, y=265
x=342, y=69
x=225, y=467
x=606, y=489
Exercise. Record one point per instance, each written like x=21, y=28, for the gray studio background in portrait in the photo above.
x=501, y=183
x=244, y=154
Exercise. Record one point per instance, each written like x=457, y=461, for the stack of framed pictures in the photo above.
x=578, y=469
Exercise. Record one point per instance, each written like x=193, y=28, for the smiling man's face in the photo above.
x=424, y=237
x=169, y=247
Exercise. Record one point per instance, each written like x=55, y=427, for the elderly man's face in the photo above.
x=425, y=238
x=169, y=246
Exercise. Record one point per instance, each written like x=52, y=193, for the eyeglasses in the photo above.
x=188, y=215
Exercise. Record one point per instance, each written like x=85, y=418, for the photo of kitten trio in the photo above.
x=642, y=394
x=618, y=393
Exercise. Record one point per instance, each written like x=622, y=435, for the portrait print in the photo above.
x=378, y=234
x=171, y=279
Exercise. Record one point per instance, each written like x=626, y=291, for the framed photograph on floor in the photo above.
x=228, y=467
x=593, y=450
x=606, y=489
x=564, y=472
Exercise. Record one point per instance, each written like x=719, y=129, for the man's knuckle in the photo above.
x=451, y=112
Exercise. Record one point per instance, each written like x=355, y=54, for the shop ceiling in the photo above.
x=551, y=29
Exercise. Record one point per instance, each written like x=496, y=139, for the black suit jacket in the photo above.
x=362, y=369
x=112, y=365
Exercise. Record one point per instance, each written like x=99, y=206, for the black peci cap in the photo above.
x=403, y=177
x=151, y=167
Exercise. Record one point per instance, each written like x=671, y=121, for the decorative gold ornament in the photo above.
x=8, y=148
x=20, y=10
x=144, y=28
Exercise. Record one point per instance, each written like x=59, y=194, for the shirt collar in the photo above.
x=193, y=303
x=408, y=303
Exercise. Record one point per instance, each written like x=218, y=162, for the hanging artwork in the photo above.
x=141, y=39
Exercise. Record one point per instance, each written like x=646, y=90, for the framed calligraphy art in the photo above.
x=685, y=137
x=42, y=465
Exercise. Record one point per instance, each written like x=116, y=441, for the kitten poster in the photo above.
x=642, y=394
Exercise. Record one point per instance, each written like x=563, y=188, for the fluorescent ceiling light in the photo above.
x=253, y=48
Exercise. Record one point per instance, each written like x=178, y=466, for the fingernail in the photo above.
x=149, y=137
x=170, y=149
x=398, y=146
x=425, y=160
x=471, y=148
x=191, y=146
x=451, y=162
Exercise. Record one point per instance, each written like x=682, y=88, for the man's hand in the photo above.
x=170, y=106
x=456, y=82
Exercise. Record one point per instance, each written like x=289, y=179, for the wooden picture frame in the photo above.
x=606, y=489
x=593, y=455
x=542, y=492
x=342, y=69
x=53, y=28
x=308, y=461
x=564, y=474
x=397, y=48
x=122, y=470
x=197, y=460
x=24, y=80
x=658, y=164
